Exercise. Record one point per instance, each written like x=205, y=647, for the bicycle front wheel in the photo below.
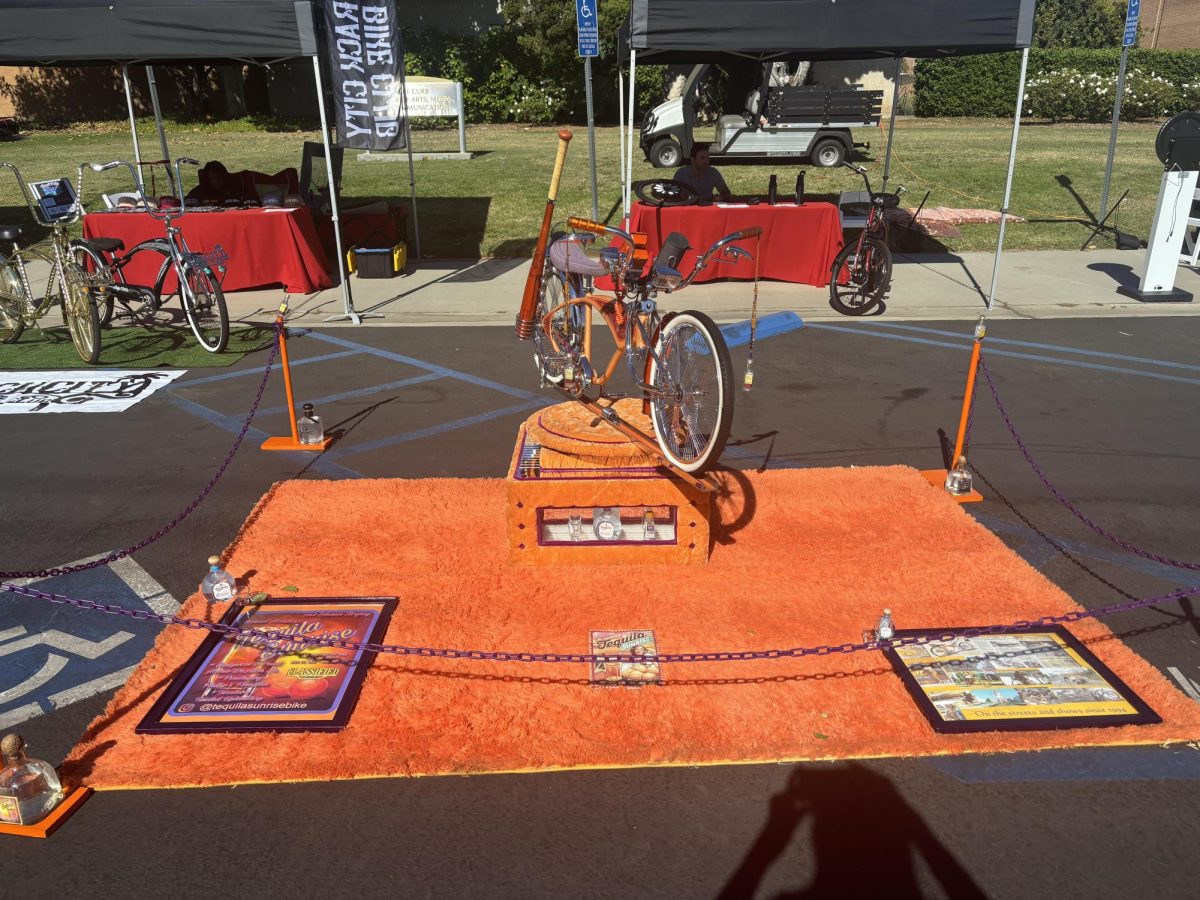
x=860, y=276
x=79, y=309
x=12, y=302
x=204, y=305
x=692, y=409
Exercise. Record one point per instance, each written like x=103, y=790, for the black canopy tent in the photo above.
x=715, y=31
x=126, y=32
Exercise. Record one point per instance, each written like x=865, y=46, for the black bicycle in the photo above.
x=862, y=271
x=196, y=274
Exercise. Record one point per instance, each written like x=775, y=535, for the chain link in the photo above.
x=527, y=657
x=140, y=545
x=1062, y=498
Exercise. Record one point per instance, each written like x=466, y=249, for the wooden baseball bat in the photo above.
x=533, y=284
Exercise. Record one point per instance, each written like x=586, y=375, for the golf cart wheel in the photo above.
x=666, y=154
x=828, y=153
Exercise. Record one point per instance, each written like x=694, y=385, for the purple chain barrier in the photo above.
x=121, y=554
x=509, y=656
x=1078, y=513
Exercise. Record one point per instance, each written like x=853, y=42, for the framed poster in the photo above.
x=256, y=683
x=1013, y=681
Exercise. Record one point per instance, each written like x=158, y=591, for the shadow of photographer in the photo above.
x=865, y=840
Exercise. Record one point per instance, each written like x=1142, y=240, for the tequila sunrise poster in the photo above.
x=276, y=678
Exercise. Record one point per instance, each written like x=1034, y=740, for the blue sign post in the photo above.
x=1130, y=38
x=588, y=25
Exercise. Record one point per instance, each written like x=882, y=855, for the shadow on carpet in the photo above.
x=800, y=557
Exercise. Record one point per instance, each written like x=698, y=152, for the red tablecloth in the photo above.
x=798, y=244
x=265, y=246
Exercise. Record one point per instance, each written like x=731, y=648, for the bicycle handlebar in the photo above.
x=160, y=214
x=599, y=228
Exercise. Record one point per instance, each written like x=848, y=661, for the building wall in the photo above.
x=1170, y=24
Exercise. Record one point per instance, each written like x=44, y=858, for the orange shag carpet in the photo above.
x=800, y=557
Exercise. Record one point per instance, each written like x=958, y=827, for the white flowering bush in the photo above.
x=1189, y=95
x=1088, y=96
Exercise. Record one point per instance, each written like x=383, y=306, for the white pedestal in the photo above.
x=1175, y=196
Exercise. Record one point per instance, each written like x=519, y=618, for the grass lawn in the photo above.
x=492, y=205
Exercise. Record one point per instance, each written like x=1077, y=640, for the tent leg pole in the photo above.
x=412, y=172
x=158, y=123
x=347, y=301
x=1012, y=160
x=137, y=150
x=621, y=139
x=632, y=97
x=887, y=156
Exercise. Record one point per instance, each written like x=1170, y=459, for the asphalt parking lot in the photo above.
x=1107, y=405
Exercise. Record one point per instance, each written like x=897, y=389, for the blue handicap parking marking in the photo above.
x=768, y=326
x=52, y=655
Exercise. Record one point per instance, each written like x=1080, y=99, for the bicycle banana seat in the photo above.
x=105, y=244
x=567, y=256
x=10, y=234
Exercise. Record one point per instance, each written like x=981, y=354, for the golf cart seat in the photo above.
x=105, y=244
x=569, y=257
x=10, y=234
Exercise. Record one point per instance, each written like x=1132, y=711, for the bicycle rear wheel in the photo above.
x=85, y=256
x=860, y=276
x=551, y=351
x=693, y=413
x=79, y=309
x=204, y=305
x=12, y=302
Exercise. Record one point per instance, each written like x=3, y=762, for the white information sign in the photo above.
x=432, y=98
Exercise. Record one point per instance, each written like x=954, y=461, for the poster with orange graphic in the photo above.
x=279, y=672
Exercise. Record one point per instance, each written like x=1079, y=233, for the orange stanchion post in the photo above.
x=293, y=442
x=938, y=477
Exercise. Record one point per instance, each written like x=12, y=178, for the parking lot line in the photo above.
x=242, y=373
x=1074, y=363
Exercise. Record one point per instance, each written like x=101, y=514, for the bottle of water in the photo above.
x=309, y=426
x=29, y=788
x=218, y=585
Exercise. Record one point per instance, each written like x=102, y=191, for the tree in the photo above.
x=1093, y=24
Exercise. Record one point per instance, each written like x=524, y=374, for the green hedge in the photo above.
x=987, y=85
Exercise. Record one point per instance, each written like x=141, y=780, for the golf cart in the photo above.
x=778, y=124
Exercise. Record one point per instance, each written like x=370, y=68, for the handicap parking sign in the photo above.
x=588, y=26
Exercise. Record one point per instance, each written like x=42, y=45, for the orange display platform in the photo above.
x=580, y=492
x=43, y=829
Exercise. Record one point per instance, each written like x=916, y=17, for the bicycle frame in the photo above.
x=633, y=323
x=173, y=246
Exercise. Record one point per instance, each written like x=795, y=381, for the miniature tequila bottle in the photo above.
x=958, y=479
x=29, y=788
x=218, y=585
x=886, y=629
x=308, y=426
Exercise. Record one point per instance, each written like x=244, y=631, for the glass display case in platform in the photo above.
x=581, y=493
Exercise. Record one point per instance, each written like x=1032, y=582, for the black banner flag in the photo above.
x=366, y=66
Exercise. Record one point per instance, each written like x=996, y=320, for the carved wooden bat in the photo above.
x=533, y=284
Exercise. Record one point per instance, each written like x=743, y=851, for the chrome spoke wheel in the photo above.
x=204, y=305
x=12, y=302
x=79, y=309
x=692, y=408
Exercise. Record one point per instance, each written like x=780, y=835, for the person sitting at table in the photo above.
x=216, y=186
x=702, y=177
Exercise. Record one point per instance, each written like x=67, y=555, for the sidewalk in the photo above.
x=1033, y=285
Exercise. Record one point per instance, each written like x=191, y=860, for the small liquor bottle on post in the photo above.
x=29, y=788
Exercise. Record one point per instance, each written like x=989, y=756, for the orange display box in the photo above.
x=72, y=801
x=612, y=506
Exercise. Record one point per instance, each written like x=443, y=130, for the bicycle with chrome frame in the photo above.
x=199, y=288
x=68, y=286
